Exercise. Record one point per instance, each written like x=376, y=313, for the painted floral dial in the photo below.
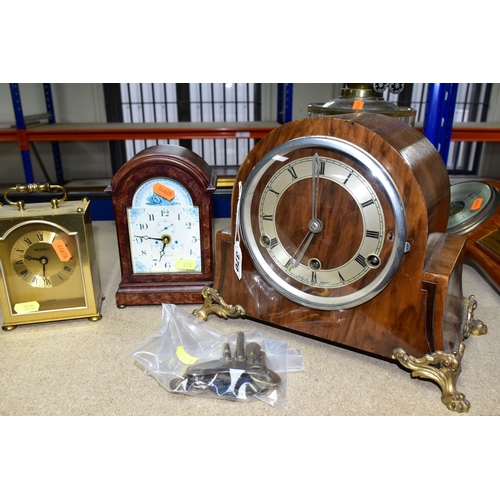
x=165, y=239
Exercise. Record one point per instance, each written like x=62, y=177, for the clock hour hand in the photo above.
x=166, y=240
x=162, y=252
x=315, y=226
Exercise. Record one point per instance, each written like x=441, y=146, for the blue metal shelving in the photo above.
x=24, y=144
x=285, y=102
x=439, y=113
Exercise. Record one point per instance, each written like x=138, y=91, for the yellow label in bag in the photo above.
x=184, y=357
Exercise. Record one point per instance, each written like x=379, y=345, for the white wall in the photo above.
x=73, y=103
x=312, y=93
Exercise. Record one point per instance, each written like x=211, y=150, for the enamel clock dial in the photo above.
x=162, y=202
x=323, y=222
x=48, y=270
x=164, y=228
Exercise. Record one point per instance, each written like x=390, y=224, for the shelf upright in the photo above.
x=21, y=133
x=285, y=102
x=22, y=137
x=439, y=113
x=49, y=103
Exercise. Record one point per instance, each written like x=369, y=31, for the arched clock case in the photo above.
x=338, y=232
x=162, y=199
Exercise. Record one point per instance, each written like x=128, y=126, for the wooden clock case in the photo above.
x=421, y=312
x=190, y=170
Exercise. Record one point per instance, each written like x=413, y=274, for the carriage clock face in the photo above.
x=164, y=229
x=323, y=222
x=43, y=271
x=472, y=202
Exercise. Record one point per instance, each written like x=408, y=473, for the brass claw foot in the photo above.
x=471, y=325
x=441, y=367
x=220, y=308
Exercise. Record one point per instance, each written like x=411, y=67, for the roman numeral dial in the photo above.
x=318, y=223
x=44, y=259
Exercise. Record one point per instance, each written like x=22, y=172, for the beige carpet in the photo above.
x=84, y=368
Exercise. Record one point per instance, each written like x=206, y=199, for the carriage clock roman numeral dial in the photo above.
x=43, y=259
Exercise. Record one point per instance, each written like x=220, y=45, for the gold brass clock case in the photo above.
x=338, y=232
x=48, y=263
x=163, y=212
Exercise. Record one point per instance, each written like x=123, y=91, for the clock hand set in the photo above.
x=315, y=226
x=165, y=239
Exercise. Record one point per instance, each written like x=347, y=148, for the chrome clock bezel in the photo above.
x=386, y=183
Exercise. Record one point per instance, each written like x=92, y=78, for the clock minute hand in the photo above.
x=315, y=225
x=315, y=185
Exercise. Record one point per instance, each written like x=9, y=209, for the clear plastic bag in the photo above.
x=190, y=356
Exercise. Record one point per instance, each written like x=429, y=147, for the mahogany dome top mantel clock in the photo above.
x=163, y=211
x=338, y=232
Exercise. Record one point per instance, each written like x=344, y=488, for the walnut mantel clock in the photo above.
x=339, y=232
x=48, y=267
x=163, y=212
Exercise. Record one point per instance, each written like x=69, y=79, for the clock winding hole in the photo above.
x=314, y=264
x=373, y=261
x=265, y=241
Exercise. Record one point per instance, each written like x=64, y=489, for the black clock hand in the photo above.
x=43, y=261
x=147, y=237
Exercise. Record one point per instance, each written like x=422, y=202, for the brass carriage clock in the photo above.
x=48, y=261
x=163, y=211
x=339, y=232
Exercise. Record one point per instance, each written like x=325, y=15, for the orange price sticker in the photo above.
x=358, y=104
x=476, y=205
x=164, y=191
x=61, y=250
